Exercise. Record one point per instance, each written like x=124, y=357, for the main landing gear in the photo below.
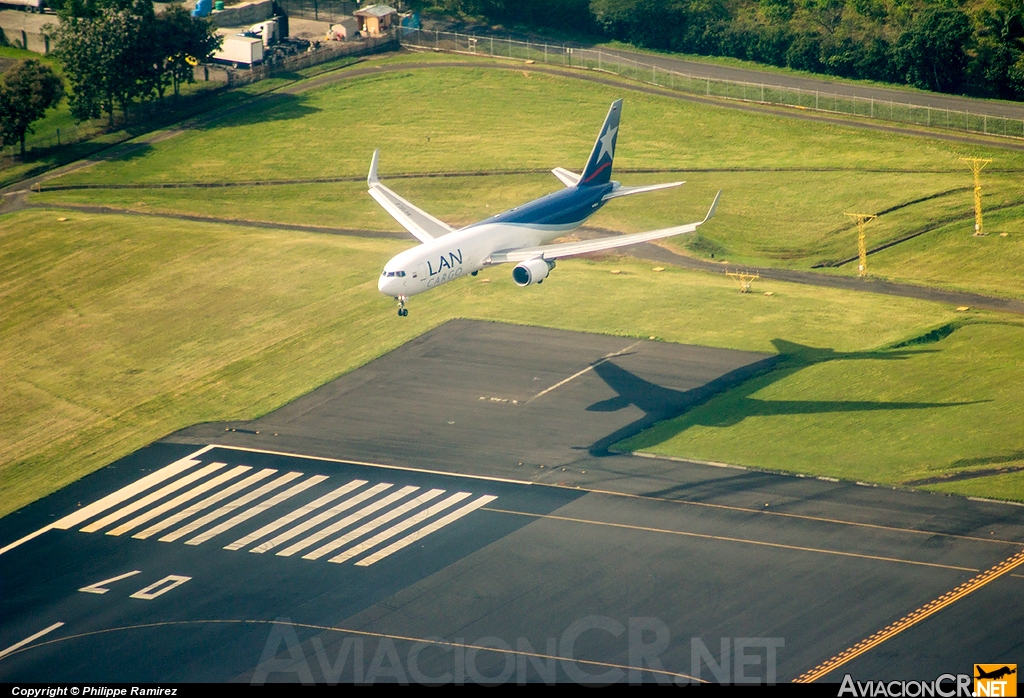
x=402, y=310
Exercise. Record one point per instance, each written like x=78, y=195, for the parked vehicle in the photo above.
x=240, y=51
x=27, y=5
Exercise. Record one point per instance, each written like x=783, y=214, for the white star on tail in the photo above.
x=607, y=143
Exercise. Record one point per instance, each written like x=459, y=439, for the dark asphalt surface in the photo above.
x=578, y=552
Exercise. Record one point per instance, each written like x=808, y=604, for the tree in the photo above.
x=30, y=89
x=184, y=40
x=107, y=58
x=932, y=54
x=998, y=66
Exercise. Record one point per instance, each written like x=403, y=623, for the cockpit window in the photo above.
x=394, y=273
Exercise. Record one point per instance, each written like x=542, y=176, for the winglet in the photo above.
x=371, y=178
x=714, y=205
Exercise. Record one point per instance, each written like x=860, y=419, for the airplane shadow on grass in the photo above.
x=659, y=404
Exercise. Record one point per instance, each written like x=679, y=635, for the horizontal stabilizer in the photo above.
x=421, y=224
x=626, y=191
x=569, y=179
x=569, y=249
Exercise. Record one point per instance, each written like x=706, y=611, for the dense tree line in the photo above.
x=956, y=46
x=117, y=52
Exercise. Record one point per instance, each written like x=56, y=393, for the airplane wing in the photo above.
x=421, y=224
x=569, y=179
x=574, y=248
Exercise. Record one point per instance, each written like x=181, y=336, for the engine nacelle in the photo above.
x=532, y=271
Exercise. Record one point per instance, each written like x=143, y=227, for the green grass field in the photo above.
x=898, y=416
x=789, y=218
x=119, y=330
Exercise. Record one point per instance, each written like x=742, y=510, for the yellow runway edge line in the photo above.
x=929, y=609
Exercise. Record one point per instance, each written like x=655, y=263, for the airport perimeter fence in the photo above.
x=811, y=100
x=318, y=10
x=328, y=51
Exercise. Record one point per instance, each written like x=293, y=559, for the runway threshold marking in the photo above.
x=18, y=645
x=190, y=511
x=115, y=498
x=240, y=502
x=159, y=476
x=378, y=507
x=348, y=631
x=296, y=514
x=372, y=525
x=576, y=375
x=911, y=619
x=729, y=539
x=612, y=493
x=350, y=519
x=425, y=531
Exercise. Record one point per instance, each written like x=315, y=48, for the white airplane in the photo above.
x=518, y=235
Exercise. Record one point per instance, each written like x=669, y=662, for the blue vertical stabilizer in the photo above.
x=599, y=166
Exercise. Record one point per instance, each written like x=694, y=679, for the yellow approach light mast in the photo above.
x=977, y=165
x=743, y=278
x=862, y=248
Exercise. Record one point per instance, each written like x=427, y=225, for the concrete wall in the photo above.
x=24, y=29
x=246, y=14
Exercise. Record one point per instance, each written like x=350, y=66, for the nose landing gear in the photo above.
x=402, y=310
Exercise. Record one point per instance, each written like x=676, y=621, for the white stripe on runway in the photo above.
x=150, y=498
x=425, y=531
x=400, y=526
x=232, y=505
x=254, y=511
x=115, y=498
x=348, y=520
x=18, y=645
x=205, y=504
x=179, y=500
x=320, y=518
x=371, y=525
x=298, y=513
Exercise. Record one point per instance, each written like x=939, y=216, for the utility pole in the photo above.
x=862, y=248
x=976, y=165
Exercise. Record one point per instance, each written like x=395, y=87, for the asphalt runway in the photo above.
x=451, y=513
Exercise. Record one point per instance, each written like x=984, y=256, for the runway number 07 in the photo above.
x=148, y=593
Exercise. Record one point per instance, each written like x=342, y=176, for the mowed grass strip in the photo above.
x=930, y=413
x=467, y=119
x=519, y=119
x=118, y=330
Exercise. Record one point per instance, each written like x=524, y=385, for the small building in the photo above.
x=375, y=19
x=344, y=29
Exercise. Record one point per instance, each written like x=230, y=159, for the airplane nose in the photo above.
x=382, y=285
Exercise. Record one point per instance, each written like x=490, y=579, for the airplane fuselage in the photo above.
x=470, y=249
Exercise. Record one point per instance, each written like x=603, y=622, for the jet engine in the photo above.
x=532, y=271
